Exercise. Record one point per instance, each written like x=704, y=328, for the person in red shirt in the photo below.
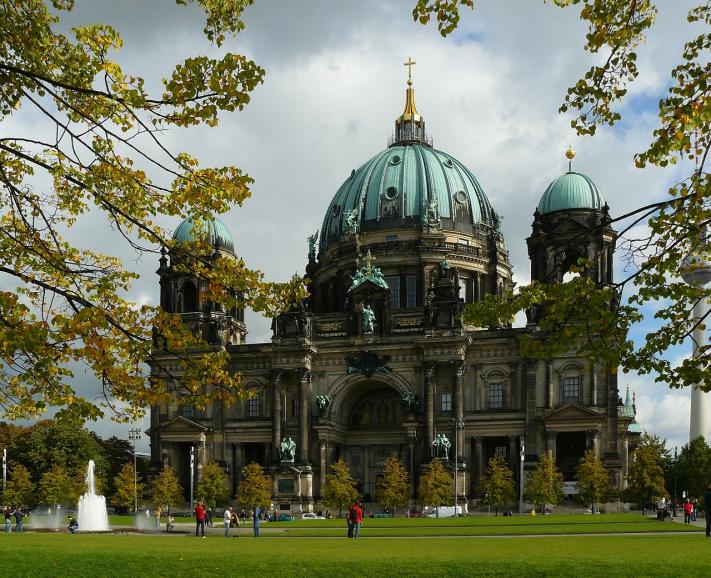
x=199, y=520
x=688, y=510
x=357, y=514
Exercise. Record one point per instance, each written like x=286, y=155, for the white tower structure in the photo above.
x=697, y=273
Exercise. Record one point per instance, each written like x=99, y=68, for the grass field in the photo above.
x=139, y=555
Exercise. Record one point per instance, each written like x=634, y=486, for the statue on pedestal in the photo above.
x=441, y=446
x=287, y=450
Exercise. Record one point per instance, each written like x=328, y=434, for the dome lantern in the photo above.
x=410, y=126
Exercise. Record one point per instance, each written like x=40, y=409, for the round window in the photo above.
x=391, y=193
x=395, y=160
x=460, y=197
x=448, y=163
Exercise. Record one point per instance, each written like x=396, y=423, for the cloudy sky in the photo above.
x=334, y=85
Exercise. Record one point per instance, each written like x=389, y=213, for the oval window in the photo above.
x=335, y=209
x=448, y=163
x=395, y=160
x=391, y=193
x=460, y=197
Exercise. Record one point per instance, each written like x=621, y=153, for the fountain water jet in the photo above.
x=92, y=516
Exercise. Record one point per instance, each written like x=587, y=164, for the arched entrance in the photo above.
x=373, y=415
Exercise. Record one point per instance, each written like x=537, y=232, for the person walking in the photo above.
x=255, y=520
x=8, y=519
x=350, y=516
x=19, y=514
x=688, y=508
x=157, y=513
x=358, y=518
x=208, y=518
x=228, y=520
x=707, y=510
x=199, y=520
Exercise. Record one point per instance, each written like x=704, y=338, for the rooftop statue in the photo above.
x=352, y=221
x=312, y=239
x=287, y=450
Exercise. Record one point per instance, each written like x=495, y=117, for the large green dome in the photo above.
x=395, y=188
x=213, y=230
x=571, y=191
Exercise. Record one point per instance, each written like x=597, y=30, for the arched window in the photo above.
x=190, y=297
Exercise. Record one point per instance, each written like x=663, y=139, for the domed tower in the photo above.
x=571, y=222
x=409, y=230
x=181, y=292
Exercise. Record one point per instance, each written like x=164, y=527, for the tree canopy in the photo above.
x=693, y=468
x=255, y=488
x=166, y=490
x=128, y=488
x=497, y=484
x=546, y=484
x=580, y=316
x=645, y=480
x=19, y=490
x=436, y=486
x=99, y=151
x=393, y=488
x=340, y=489
x=593, y=480
x=212, y=487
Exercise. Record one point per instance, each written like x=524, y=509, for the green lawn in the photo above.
x=139, y=555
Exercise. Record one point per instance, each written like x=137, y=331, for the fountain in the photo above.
x=92, y=516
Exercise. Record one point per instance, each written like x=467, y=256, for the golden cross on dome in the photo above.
x=409, y=64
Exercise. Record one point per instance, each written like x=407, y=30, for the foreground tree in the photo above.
x=57, y=487
x=19, y=490
x=340, y=489
x=497, y=484
x=546, y=484
x=579, y=317
x=126, y=493
x=593, y=480
x=393, y=489
x=254, y=490
x=645, y=480
x=693, y=467
x=435, y=487
x=212, y=487
x=99, y=125
x=166, y=490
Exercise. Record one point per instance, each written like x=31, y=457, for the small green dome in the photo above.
x=394, y=189
x=571, y=191
x=214, y=230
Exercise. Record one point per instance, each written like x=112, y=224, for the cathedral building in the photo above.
x=377, y=361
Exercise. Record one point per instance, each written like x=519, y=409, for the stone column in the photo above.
x=322, y=470
x=549, y=384
x=411, y=464
x=593, y=384
x=276, y=414
x=625, y=457
x=479, y=460
x=513, y=453
x=430, y=369
x=458, y=426
x=304, y=411
x=551, y=438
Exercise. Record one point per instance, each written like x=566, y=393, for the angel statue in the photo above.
x=287, y=450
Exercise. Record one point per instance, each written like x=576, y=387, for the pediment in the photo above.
x=181, y=424
x=572, y=412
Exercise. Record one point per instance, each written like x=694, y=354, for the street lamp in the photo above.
x=192, y=476
x=298, y=473
x=520, y=479
x=134, y=434
x=675, y=458
x=458, y=426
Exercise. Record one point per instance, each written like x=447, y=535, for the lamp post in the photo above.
x=192, y=476
x=520, y=479
x=298, y=473
x=675, y=458
x=4, y=468
x=134, y=434
x=458, y=426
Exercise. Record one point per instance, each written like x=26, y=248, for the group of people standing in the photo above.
x=230, y=520
x=354, y=519
x=18, y=513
